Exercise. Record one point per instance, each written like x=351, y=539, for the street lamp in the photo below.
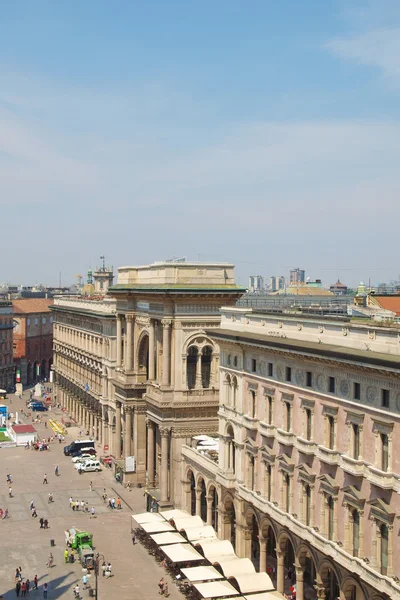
x=99, y=557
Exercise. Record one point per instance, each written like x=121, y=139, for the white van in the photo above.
x=89, y=465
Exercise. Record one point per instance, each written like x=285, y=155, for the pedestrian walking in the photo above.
x=92, y=512
x=50, y=561
x=45, y=424
x=45, y=524
x=66, y=555
x=45, y=589
x=45, y=479
x=104, y=495
x=28, y=587
x=82, y=505
x=35, y=582
x=109, y=569
x=70, y=501
x=23, y=589
x=112, y=502
x=5, y=514
x=90, y=487
x=10, y=493
x=119, y=503
x=103, y=568
x=17, y=588
x=56, y=471
x=133, y=538
x=32, y=505
x=41, y=521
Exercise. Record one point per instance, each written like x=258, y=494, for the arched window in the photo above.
x=228, y=390
x=234, y=391
x=231, y=450
x=286, y=479
x=206, y=359
x=191, y=367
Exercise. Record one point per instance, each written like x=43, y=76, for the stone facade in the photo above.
x=84, y=362
x=308, y=478
x=6, y=345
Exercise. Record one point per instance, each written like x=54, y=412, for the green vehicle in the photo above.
x=76, y=539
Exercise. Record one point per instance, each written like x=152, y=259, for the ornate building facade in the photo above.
x=84, y=361
x=308, y=477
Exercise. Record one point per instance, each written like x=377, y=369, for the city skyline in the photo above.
x=248, y=136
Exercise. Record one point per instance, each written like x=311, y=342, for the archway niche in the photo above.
x=327, y=577
x=206, y=359
x=351, y=590
x=191, y=367
x=231, y=458
x=230, y=520
x=192, y=483
x=214, y=506
x=203, y=500
x=143, y=357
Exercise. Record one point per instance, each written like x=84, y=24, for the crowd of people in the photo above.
x=24, y=585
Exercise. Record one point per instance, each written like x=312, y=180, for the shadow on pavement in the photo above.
x=55, y=588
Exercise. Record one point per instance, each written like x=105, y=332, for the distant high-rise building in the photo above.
x=277, y=282
x=297, y=276
x=256, y=283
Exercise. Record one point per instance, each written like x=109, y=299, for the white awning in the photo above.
x=176, y=513
x=254, y=582
x=157, y=527
x=216, y=551
x=188, y=522
x=236, y=567
x=169, y=537
x=148, y=517
x=216, y=589
x=201, y=573
x=266, y=596
x=181, y=553
x=200, y=533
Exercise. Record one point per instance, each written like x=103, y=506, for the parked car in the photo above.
x=106, y=460
x=37, y=406
x=90, y=465
x=82, y=458
x=82, y=451
x=78, y=445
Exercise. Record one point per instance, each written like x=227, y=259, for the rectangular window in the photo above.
x=356, y=391
x=309, y=379
x=307, y=505
x=269, y=482
x=288, y=416
x=288, y=374
x=253, y=404
x=270, y=407
x=356, y=441
x=384, y=452
x=270, y=370
x=332, y=385
x=253, y=365
x=308, y=423
x=331, y=432
x=385, y=398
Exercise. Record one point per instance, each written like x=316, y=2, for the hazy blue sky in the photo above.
x=260, y=132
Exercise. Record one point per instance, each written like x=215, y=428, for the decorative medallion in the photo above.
x=344, y=388
x=372, y=394
x=263, y=368
x=320, y=382
x=299, y=377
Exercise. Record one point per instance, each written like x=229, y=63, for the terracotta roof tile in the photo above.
x=32, y=305
x=389, y=303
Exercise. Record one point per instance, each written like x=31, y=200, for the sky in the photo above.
x=262, y=133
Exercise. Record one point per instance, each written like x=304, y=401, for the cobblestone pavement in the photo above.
x=23, y=543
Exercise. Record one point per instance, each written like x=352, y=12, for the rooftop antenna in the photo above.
x=103, y=258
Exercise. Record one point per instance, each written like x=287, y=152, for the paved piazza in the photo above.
x=23, y=543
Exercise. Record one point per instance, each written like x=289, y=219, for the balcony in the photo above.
x=331, y=457
x=306, y=446
x=251, y=423
x=267, y=429
x=353, y=466
x=285, y=437
x=382, y=479
x=200, y=461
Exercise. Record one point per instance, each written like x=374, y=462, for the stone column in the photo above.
x=198, y=372
x=129, y=343
x=198, y=502
x=299, y=583
x=390, y=551
x=117, y=435
x=374, y=542
x=164, y=432
x=150, y=452
x=263, y=555
x=119, y=340
x=151, y=352
x=99, y=429
x=128, y=432
x=209, y=510
x=166, y=356
x=280, y=571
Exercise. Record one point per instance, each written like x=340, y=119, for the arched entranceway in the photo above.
x=352, y=590
x=214, y=506
x=143, y=357
x=191, y=367
x=327, y=577
x=306, y=572
x=203, y=499
x=286, y=572
x=206, y=358
x=230, y=521
x=254, y=549
x=192, y=483
x=268, y=536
